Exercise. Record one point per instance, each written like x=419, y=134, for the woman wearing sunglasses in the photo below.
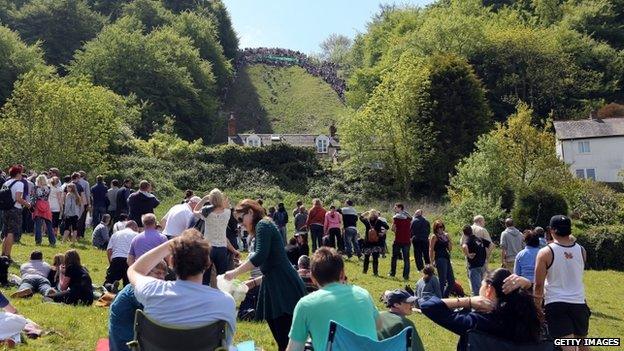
x=281, y=286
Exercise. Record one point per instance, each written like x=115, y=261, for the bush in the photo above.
x=604, y=246
x=593, y=203
x=536, y=207
x=463, y=213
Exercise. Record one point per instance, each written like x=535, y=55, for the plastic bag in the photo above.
x=234, y=287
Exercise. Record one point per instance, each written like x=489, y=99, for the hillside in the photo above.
x=268, y=99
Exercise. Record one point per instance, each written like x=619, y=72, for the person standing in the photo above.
x=401, y=223
x=420, y=230
x=525, y=259
x=142, y=202
x=86, y=198
x=297, y=209
x=179, y=218
x=12, y=217
x=559, y=284
x=122, y=198
x=111, y=194
x=349, y=221
x=373, y=239
x=56, y=202
x=72, y=209
x=511, y=243
x=281, y=286
x=280, y=217
x=147, y=240
x=332, y=226
x=478, y=229
x=301, y=218
x=42, y=214
x=440, y=247
x=476, y=250
x=99, y=195
x=316, y=219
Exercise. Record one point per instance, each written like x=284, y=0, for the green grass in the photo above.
x=269, y=99
x=78, y=328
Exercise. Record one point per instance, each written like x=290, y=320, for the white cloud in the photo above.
x=250, y=37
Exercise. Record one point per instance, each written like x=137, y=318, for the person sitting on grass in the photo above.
x=54, y=276
x=393, y=321
x=147, y=240
x=117, y=253
x=504, y=308
x=428, y=285
x=303, y=269
x=122, y=311
x=185, y=302
x=75, y=282
x=349, y=305
x=101, y=233
x=11, y=324
x=34, y=277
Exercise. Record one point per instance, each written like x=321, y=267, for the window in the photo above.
x=580, y=173
x=591, y=173
x=254, y=141
x=583, y=147
x=322, y=144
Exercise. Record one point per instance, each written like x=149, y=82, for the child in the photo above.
x=428, y=285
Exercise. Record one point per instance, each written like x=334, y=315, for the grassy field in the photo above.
x=79, y=328
x=269, y=99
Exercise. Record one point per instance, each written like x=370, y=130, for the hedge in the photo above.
x=604, y=246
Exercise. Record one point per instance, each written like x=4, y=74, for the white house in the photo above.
x=594, y=148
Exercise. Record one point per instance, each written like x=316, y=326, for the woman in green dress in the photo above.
x=281, y=286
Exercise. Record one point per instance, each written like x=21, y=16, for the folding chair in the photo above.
x=152, y=336
x=342, y=339
x=480, y=341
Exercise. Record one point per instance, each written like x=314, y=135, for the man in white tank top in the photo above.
x=559, y=284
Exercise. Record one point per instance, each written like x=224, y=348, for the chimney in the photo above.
x=593, y=115
x=332, y=130
x=231, y=125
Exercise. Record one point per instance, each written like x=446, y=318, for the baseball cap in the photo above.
x=562, y=224
x=398, y=296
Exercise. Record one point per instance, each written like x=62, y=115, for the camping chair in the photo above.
x=480, y=341
x=342, y=339
x=152, y=336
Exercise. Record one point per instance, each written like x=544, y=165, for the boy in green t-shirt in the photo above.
x=399, y=303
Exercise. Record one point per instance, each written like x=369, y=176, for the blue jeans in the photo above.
x=445, y=274
x=350, y=240
x=316, y=232
x=219, y=257
x=98, y=212
x=397, y=251
x=36, y=284
x=49, y=230
x=475, y=275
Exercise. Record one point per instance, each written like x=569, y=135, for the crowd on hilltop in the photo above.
x=168, y=267
x=325, y=70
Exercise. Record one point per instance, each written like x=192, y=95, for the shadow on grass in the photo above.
x=605, y=316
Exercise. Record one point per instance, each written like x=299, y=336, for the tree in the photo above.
x=601, y=19
x=336, y=49
x=80, y=123
x=150, y=12
x=62, y=26
x=161, y=68
x=227, y=35
x=16, y=59
x=110, y=8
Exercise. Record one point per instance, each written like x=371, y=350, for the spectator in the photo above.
x=559, y=283
x=525, y=259
x=292, y=251
x=12, y=218
x=399, y=304
x=11, y=324
x=34, y=277
x=122, y=197
x=301, y=217
x=86, y=202
x=99, y=193
x=185, y=302
x=27, y=220
x=401, y=226
x=476, y=250
x=281, y=286
x=350, y=219
x=117, y=252
x=216, y=216
x=373, y=239
x=121, y=224
x=440, y=247
x=296, y=210
x=511, y=243
x=188, y=194
x=76, y=285
x=145, y=241
x=316, y=219
x=302, y=244
x=478, y=229
x=72, y=210
x=540, y=232
x=179, y=218
x=420, y=230
x=332, y=227
x=122, y=312
x=56, y=203
x=428, y=285
x=54, y=276
x=280, y=217
x=141, y=202
x=100, y=233
x=111, y=195
x=333, y=301
x=42, y=214
x=303, y=269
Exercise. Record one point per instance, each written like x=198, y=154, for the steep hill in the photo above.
x=267, y=99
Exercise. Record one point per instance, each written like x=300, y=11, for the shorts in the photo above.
x=12, y=222
x=565, y=318
x=56, y=219
x=71, y=223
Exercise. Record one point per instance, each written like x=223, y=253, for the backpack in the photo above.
x=6, y=197
x=373, y=235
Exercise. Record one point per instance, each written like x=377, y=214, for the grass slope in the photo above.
x=79, y=328
x=269, y=99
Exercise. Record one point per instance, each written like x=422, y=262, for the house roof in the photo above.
x=589, y=128
x=305, y=140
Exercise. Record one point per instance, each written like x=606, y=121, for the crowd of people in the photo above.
x=325, y=70
x=168, y=267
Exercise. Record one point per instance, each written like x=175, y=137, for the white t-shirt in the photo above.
x=18, y=187
x=185, y=304
x=11, y=325
x=178, y=219
x=120, y=242
x=119, y=226
x=215, y=228
x=53, y=199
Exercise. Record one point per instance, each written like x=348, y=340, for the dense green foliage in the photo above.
x=535, y=208
x=604, y=247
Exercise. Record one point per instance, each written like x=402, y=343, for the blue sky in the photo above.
x=301, y=24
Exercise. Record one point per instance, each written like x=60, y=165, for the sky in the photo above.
x=301, y=24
